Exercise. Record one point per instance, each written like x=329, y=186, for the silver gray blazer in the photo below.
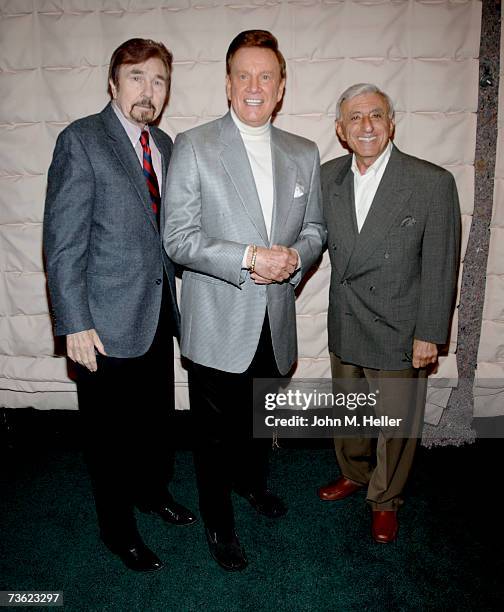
x=395, y=280
x=212, y=213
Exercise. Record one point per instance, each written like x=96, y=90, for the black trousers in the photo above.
x=227, y=456
x=126, y=408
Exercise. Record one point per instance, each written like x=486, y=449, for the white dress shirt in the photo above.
x=366, y=185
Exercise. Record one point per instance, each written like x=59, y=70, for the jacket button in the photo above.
x=387, y=255
x=372, y=288
x=158, y=281
x=344, y=283
x=334, y=246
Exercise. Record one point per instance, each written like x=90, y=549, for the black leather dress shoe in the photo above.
x=265, y=502
x=171, y=512
x=136, y=556
x=226, y=549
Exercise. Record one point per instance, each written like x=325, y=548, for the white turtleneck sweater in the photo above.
x=257, y=141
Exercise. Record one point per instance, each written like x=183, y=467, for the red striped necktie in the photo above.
x=150, y=175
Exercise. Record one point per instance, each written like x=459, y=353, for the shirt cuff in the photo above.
x=298, y=265
x=245, y=257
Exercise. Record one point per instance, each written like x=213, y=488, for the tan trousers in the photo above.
x=383, y=463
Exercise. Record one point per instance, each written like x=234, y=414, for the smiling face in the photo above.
x=254, y=86
x=366, y=127
x=141, y=90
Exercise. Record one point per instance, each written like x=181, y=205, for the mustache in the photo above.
x=145, y=102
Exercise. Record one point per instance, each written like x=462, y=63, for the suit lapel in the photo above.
x=387, y=204
x=165, y=160
x=126, y=155
x=342, y=211
x=236, y=163
x=284, y=185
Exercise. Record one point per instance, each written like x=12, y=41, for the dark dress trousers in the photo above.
x=107, y=270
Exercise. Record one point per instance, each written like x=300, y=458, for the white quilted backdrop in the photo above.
x=53, y=66
x=489, y=379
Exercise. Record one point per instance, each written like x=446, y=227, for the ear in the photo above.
x=281, y=90
x=113, y=89
x=228, y=87
x=391, y=128
x=340, y=131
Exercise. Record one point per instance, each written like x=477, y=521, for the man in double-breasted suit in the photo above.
x=393, y=225
x=113, y=294
x=244, y=218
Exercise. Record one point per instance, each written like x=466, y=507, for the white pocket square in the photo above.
x=299, y=191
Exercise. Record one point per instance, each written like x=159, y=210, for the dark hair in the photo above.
x=137, y=51
x=255, y=38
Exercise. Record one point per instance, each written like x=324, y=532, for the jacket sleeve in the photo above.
x=184, y=239
x=440, y=259
x=313, y=233
x=66, y=234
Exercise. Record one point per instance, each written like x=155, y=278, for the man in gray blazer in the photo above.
x=393, y=226
x=113, y=294
x=244, y=218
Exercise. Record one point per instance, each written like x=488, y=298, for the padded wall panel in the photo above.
x=19, y=198
x=13, y=28
x=61, y=84
x=464, y=176
x=17, y=285
x=42, y=400
x=431, y=136
x=54, y=58
x=493, y=309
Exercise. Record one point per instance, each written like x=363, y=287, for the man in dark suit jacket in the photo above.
x=112, y=290
x=393, y=236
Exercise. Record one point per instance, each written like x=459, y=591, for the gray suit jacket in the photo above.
x=395, y=280
x=103, y=250
x=213, y=213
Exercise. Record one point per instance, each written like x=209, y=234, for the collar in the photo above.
x=132, y=130
x=376, y=166
x=259, y=133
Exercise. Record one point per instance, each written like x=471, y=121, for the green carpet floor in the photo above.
x=449, y=554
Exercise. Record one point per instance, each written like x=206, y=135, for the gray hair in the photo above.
x=363, y=88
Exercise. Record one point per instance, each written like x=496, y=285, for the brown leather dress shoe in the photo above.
x=339, y=489
x=385, y=526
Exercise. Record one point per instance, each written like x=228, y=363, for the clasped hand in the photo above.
x=274, y=265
